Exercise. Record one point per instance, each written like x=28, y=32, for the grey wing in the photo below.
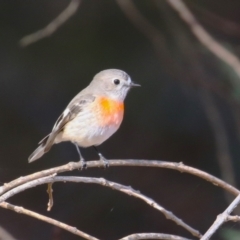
x=74, y=107
x=69, y=113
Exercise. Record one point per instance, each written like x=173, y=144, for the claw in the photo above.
x=83, y=164
x=104, y=161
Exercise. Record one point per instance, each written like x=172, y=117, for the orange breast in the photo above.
x=111, y=111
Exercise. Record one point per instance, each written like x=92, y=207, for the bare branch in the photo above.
x=213, y=115
x=233, y=218
x=50, y=195
x=5, y=235
x=53, y=26
x=221, y=219
x=160, y=46
x=64, y=226
x=31, y=184
x=105, y=183
x=205, y=38
x=220, y=23
x=155, y=37
x=123, y=163
x=161, y=236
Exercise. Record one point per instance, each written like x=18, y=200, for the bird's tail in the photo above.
x=40, y=150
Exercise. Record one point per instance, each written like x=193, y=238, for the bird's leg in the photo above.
x=82, y=160
x=102, y=158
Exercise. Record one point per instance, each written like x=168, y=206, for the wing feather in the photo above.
x=74, y=107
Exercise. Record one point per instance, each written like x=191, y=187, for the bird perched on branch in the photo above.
x=92, y=116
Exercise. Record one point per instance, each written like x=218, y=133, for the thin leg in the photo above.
x=102, y=158
x=84, y=165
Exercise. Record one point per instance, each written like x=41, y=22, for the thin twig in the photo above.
x=161, y=236
x=21, y=187
x=206, y=39
x=220, y=23
x=64, y=226
x=50, y=196
x=4, y=234
x=223, y=217
x=105, y=183
x=198, y=75
x=53, y=26
x=123, y=163
x=159, y=43
x=233, y=218
x=193, y=59
x=212, y=112
x=152, y=34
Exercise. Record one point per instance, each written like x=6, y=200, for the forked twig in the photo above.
x=206, y=39
x=123, y=163
x=47, y=176
x=106, y=183
x=75, y=231
x=223, y=217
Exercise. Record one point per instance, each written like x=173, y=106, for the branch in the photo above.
x=220, y=23
x=53, y=26
x=205, y=38
x=233, y=218
x=4, y=234
x=221, y=219
x=105, y=183
x=50, y=195
x=123, y=163
x=193, y=60
x=64, y=226
x=21, y=187
x=161, y=236
x=159, y=43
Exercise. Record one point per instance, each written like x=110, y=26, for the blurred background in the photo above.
x=187, y=110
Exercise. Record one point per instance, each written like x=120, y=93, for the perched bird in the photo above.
x=92, y=116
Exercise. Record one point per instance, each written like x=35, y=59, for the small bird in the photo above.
x=92, y=116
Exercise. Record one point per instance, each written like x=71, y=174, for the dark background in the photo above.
x=166, y=119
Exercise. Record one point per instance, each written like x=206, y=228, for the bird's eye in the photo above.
x=116, y=81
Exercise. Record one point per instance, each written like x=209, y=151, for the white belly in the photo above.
x=86, y=134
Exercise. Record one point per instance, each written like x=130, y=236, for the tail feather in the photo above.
x=41, y=149
x=36, y=154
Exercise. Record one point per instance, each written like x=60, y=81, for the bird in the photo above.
x=92, y=116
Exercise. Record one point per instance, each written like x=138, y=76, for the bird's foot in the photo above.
x=83, y=164
x=103, y=160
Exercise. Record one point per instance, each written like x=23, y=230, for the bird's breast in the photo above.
x=94, y=124
x=110, y=112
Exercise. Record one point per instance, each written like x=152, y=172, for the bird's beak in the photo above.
x=132, y=84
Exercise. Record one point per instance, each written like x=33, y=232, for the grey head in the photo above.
x=112, y=83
